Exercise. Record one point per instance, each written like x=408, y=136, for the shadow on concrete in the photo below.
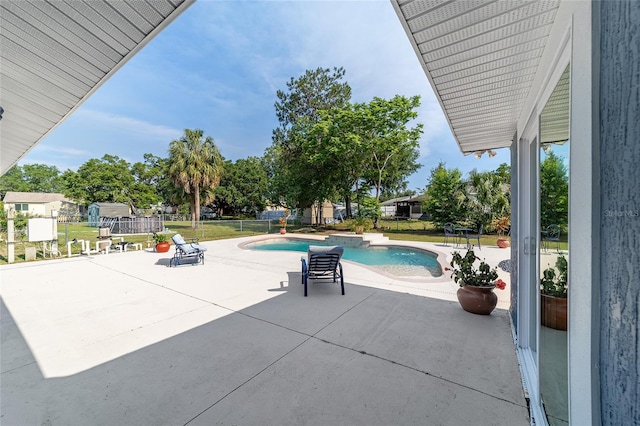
x=369, y=357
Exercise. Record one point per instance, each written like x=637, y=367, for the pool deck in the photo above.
x=123, y=339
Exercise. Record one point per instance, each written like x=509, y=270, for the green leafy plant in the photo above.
x=552, y=284
x=465, y=273
x=160, y=238
x=365, y=222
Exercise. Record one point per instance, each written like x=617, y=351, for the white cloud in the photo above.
x=128, y=124
x=73, y=152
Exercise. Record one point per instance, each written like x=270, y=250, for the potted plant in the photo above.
x=361, y=224
x=162, y=245
x=476, y=284
x=283, y=222
x=501, y=225
x=553, y=295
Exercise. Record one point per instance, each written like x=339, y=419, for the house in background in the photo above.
x=409, y=207
x=561, y=77
x=41, y=204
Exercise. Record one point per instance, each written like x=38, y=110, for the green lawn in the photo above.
x=209, y=230
x=407, y=230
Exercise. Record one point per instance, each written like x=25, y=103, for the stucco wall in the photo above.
x=620, y=223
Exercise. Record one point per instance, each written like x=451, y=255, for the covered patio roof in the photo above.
x=481, y=57
x=56, y=54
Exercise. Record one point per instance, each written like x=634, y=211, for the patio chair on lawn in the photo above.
x=551, y=234
x=475, y=237
x=449, y=231
x=192, y=252
x=322, y=263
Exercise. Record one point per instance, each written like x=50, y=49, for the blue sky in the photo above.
x=218, y=66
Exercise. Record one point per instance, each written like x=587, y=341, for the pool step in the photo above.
x=355, y=240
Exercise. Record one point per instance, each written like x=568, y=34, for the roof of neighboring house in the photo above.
x=408, y=198
x=110, y=205
x=34, y=197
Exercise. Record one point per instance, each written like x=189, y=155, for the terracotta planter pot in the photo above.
x=283, y=231
x=359, y=229
x=503, y=243
x=162, y=247
x=553, y=312
x=477, y=300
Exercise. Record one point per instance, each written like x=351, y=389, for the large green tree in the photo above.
x=195, y=165
x=445, y=195
x=554, y=191
x=108, y=179
x=242, y=188
x=394, y=146
x=293, y=180
x=32, y=178
x=336, y=149
x=487, y=196
x=13, y=180
x=365, y=145
x=150, y=182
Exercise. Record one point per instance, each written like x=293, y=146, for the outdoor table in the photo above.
x=464, y=230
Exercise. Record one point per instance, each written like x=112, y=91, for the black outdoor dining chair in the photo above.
x=449, y=231
x=475, y=237
x=551, y=234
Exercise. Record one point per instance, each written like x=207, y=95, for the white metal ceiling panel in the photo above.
x=480, y=57
x=55, y=53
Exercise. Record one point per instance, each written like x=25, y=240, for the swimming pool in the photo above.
x=399, y=261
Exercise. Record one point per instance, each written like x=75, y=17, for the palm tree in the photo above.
x=195, y=166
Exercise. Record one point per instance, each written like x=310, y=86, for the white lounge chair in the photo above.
x=192, y=252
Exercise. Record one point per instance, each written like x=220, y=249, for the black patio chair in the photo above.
x=475, y=237
x=322, y=263
x=449, y=231
x=551, y=234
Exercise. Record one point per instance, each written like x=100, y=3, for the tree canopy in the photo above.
x=294, y=180
x=32, y=178
x=326, y=147
x=242, y=187
x=108, y=179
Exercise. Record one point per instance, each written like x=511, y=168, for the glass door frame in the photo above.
x=529, y=229
x=528, y=328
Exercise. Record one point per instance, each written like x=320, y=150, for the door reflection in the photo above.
x=554, y=252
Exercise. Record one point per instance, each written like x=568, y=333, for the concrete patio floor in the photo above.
x=121, y=339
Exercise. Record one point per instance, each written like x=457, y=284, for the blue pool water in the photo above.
x=399, y=261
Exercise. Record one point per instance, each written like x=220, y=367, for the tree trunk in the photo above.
x=192, y=210
x=358, y=197
x=376, y=223
x=196, y=213
x=347, y=202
